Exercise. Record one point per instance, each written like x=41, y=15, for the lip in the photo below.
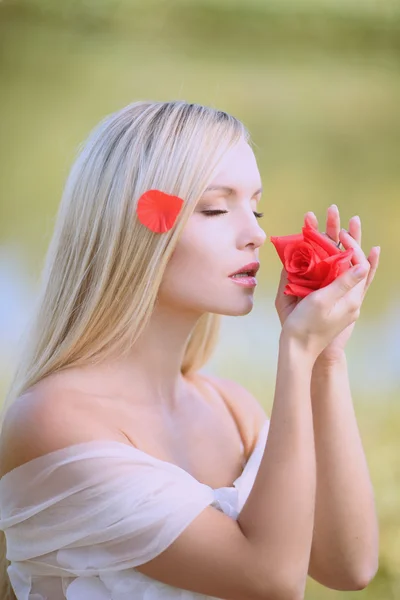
x=250, y=267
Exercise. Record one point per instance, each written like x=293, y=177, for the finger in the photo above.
x=311, y=219
x=355, y=228
x=281, y=300
x=373, y=259
x=333, y=223
x=349, y=242
x=282, y=282
x=345, y=282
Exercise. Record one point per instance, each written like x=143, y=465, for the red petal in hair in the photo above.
x=158, y=211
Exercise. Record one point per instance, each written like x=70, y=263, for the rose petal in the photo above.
x=322, y=241
x=299, y=257
x=158, y=211
x=339, y=265
x=299, y=280
x=311, y=260
x=321, y=271
x=280, y=243
x=297, y=290
x=330, y=268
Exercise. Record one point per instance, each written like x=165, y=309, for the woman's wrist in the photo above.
x=292, y=350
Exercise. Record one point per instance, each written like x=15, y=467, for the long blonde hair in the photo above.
x=103, y=268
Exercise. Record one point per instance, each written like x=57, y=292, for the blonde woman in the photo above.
x=127, y=473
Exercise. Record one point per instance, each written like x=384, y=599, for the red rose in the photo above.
x=311, y=260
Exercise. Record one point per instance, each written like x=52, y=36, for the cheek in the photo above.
x=189, y=258
x=193, y=263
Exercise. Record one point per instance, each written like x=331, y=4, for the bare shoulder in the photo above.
x=46, y=418
x=241, y=398
x=243, y=404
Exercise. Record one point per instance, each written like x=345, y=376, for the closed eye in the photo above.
x=211, y=213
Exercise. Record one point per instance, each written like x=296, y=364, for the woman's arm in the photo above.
x=278, y=516
x=341, y=557
x=345, y=545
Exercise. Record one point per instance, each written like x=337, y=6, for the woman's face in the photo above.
x=212, y=247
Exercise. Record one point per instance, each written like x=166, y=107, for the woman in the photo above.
x=126, y=473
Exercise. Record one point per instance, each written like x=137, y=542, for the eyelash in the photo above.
x=211, y=213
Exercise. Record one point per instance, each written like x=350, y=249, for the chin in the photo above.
x=239, y=311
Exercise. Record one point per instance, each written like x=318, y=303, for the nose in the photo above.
x=252, y=234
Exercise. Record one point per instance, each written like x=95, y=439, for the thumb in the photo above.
x=345, y=282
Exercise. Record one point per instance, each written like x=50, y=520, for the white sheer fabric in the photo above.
x=79, y=520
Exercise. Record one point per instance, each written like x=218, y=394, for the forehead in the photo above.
x=238, y=168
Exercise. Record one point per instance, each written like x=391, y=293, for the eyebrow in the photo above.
x=227, y=189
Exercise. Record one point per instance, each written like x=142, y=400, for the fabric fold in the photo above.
x=88, y=514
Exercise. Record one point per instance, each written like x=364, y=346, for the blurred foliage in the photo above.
x=316, y=81
x=233, y=27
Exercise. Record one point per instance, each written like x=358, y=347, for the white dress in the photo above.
x=79, y=520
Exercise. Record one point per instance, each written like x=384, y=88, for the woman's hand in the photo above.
x=351, y=239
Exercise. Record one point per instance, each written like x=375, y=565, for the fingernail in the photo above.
x=357, y=217
x=333, y=206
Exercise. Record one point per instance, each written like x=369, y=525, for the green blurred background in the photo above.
x=317, y=82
